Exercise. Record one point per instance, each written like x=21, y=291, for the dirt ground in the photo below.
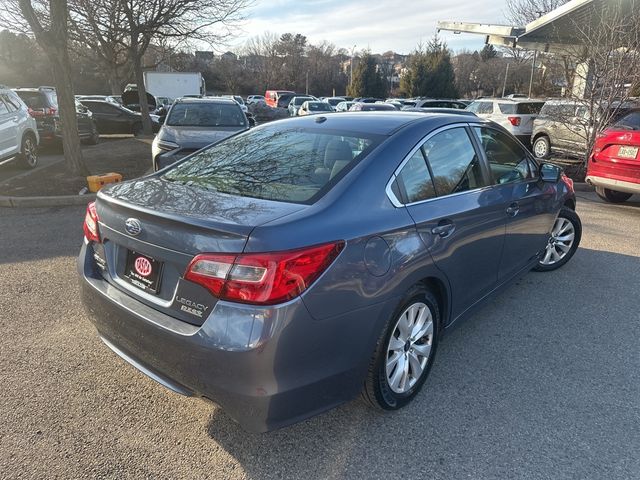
x=128, y=156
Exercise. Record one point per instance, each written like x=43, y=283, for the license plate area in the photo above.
x=143, y=271
x=625, y=151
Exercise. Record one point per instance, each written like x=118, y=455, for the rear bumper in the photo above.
x=267, y=367
x=613, y=184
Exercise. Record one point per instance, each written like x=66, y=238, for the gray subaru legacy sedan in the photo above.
x=289, y=268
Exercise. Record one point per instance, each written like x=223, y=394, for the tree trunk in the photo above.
x=136, y=58
x=54, y=42
x=114, y=82
x=67, y=108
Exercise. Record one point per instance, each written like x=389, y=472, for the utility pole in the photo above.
x=504, y=85
x=533, y=68
x=351, y=66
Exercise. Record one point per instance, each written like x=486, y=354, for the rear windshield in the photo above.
x=524, y=108
x=300, y=100
x=292, y=165
x=203, y=114
x=37, y=100
x=630, y=121
x=319, y=107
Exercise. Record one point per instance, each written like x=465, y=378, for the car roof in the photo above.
x=377, y=122
x=509, y=100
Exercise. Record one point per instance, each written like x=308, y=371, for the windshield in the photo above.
x=204, y=114
x=299, y=100
x=282, y=165
x=334, y=101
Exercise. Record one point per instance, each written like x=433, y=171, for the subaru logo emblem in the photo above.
x=132, y=226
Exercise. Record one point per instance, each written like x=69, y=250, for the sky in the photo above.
x=379, y=25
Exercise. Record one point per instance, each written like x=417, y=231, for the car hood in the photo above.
x=196, y=137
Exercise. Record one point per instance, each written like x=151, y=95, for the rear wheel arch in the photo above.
x=29, y=133
x=441, y=292
x=570, y=203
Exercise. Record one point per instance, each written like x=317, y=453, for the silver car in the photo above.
x=194, y=123
x=18, y=131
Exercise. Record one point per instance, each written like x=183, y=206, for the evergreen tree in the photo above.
x=488, y=52
x=367, y=80
x=430, y=72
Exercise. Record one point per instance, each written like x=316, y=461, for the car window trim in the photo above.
x=482, y=159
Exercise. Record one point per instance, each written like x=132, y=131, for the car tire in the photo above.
x=541, y=147
x=563, y=242
x=29, y=151
x=612, y=196
x=136, y=129
x=386, y=387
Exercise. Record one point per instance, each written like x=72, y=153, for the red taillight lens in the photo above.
x=35, y=113
x=262, y=278
x=567, y=181
x=515, y=121
x=90, y=226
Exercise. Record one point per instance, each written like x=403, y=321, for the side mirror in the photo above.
x=550, y=173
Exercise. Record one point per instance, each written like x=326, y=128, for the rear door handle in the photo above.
x=513, y=209
x=444, y=228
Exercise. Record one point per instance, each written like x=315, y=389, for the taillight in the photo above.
x=567, y=181
x=515, y=121
x=50, y=111
x=90, y=226
x=262, y=278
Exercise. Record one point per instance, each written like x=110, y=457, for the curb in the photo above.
x=59, y=201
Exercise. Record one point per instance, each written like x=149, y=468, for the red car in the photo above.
x=614, y=165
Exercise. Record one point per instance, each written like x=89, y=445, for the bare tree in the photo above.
x=145, y=20
x=605, y=55
x=47, y=20
x=97, y=32
x=521, y=12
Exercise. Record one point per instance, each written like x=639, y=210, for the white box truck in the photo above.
x=174, y=84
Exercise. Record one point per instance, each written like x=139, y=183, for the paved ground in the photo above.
x=543, y=383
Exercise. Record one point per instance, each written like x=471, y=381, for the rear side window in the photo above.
x=296, y=166
x=415, y=179
x=508, y=162
x=453, y=161
x=12, y=105
x=522, y=108
x=3, y=107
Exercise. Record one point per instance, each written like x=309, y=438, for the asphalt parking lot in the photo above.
x=544, y=382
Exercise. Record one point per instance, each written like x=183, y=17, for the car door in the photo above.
x=9, y=143
x=445, y=186
x=116, y=119
x=525, y=202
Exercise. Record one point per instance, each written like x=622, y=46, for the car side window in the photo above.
x=508, y=161
x=11, y=104
x=485, y=107
x=3, y=107
x=415, y=179
x=454, y=163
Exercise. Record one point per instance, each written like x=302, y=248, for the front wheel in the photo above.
x=612, y=196
x=404, y=353
x=563, y=242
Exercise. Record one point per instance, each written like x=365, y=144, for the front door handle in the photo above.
x=444, y=229
x=513, y=209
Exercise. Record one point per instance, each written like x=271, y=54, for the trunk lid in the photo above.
x=169, y=223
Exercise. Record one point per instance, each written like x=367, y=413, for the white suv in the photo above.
x=18, y=131
x=514, y=114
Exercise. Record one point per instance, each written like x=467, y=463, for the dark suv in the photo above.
x=43, y=106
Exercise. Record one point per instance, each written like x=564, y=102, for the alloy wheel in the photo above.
x=560, y=242
x=30, y=153
x=409, y=347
